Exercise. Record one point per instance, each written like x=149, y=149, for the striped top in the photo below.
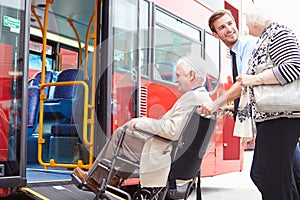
x=284, y=50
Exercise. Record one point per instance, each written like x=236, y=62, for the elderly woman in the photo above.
x=277, y=132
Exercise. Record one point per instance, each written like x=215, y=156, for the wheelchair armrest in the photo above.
x=153, y=135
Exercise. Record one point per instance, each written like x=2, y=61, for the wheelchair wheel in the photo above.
x=143, y=194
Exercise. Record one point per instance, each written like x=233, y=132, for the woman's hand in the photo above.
x=250, y=80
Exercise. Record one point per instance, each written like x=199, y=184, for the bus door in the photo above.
x=13, y=104
x=66, y=115
x=119, y=65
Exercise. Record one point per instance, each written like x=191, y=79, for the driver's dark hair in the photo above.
x=216, y=15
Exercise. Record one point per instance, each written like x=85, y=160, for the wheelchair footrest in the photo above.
x=79, y=184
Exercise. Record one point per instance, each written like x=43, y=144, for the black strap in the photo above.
x=199, y=196
x=234, y=75
x=234, y=66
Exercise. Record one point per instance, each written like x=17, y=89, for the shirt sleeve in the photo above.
x=246, y=54
x=285, y=53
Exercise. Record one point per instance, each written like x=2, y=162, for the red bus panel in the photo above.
x=5, y=87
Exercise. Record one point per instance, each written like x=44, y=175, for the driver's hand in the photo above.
x=206, y=108
x=228, y=111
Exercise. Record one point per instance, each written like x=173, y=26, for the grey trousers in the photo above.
x=131, y=148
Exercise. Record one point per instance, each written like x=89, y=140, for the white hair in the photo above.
x=258, y=14
x=196, y=67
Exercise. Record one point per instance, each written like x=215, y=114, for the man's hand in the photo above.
x=206, y=108
x=131, y=124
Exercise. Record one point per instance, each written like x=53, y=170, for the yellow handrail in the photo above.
x=42, y=93
x=41, y=140
x=70, y=21
x=59, y=60
x=37, y=19
x=86, y=46
x=52, y=162
x=93, y=81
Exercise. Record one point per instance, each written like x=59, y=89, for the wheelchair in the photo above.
x=189, y=148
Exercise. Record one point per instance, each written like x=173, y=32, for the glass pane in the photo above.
x=11, y=70
x=212, y=60
x=38, y=47
x=35, y=64
x=169, y=47
x=176, y=24
x=144, y=37
x=125, y=62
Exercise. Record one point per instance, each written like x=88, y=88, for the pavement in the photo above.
x=231, y=186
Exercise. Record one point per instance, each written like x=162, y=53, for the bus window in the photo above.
x=35, y=64
x=125, y=36
x=212, y=59
x=173, y=40
x=144, y=37
x=69, y=58
x=169, y=47
x=35, y=60
x=125, y=62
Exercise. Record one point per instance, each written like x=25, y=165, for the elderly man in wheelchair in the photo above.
x=145, y=143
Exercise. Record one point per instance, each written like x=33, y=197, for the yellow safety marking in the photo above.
x=34, y=193
x=115, y=195
x=49, y=181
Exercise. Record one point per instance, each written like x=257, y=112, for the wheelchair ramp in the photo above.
x=57, y=191
x=52, y=184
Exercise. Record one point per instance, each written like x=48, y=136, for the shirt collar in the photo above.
x=198, y=87
x=235, y=47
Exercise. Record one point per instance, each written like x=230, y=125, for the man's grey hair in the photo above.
x=197, y=67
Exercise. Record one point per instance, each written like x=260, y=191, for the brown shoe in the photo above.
x=115, y=182
x=82, y=176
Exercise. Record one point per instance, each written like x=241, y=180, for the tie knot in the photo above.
x=232, y=53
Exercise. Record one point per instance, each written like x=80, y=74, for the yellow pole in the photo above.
x=86, y=51
x=70, y=21
x=37, y=19
x=42, y=95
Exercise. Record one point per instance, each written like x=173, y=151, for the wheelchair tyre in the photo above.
x=143, y=194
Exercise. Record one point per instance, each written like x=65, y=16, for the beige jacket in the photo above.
x=156, y=156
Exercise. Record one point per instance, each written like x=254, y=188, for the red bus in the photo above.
x=90, y=66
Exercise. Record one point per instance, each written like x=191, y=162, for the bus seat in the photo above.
x=67, y=92
x=64, y=130
x=62, y=142
x=32, y=135
x=36, y=80
x=63, y=96
x=33, y=108
x=33, y=82
x=64, y=137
